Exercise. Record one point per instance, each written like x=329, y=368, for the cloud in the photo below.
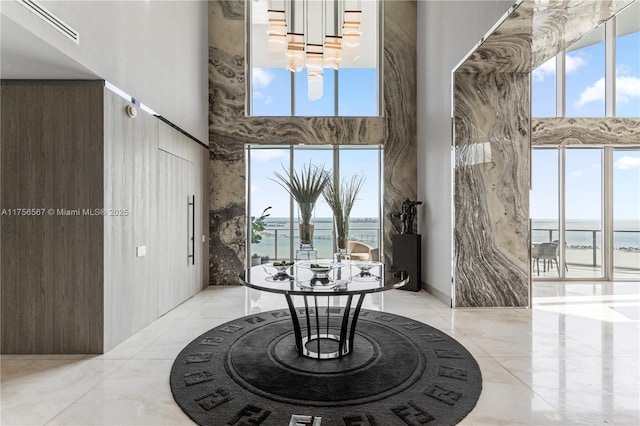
x=627, y=87
x=548, y=68
x=261, y=78
x=592, y=93
x=576, y=173
x=267, y=154
x=627, y=162
x=254, y=188
x=262, y=97
x=573, y=62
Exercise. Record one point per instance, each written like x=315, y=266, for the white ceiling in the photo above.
x=25, y=56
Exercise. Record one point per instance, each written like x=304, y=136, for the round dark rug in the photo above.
x=401, y=372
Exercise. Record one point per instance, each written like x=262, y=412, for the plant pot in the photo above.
x=306, y=219
x=342, y=233
x=255, y=261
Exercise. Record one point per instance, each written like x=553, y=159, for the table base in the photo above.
x=314, y=329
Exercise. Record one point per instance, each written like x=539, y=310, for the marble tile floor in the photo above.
x=574, y=359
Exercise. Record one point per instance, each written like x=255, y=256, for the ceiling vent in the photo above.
x=51, y=19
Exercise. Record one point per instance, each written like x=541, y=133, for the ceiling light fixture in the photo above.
x=313, y=47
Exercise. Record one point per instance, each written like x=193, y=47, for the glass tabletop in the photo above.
x=324, y=277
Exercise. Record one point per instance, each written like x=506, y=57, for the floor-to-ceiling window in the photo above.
x=583, y=207
x=626, y=213
x=586, y=201
x=280, y=238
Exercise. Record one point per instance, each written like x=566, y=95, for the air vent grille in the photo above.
x=51, y=19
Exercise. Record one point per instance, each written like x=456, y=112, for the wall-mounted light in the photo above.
x=131, y=111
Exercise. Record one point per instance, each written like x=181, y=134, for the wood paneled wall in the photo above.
x=130, y=169
x=73, y=283
x=52, y=270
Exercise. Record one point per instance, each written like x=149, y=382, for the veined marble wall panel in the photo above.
x=491, y=193
x=507, y=48
x=534, y=31
x=230, y=129
x=560, y=23
x=585, y=131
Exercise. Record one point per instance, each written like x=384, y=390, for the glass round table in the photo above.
x=329, y=335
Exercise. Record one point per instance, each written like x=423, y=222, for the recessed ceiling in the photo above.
x=24, y=56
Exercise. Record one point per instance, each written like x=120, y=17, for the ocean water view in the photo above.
x=580, y=234
x=275, y=241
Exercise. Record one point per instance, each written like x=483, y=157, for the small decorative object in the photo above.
x=255, y=259
x=365, y=273
x=321, y=269
x=305, y=188
x=341, y=199
x=407, y=214
x=283, y=269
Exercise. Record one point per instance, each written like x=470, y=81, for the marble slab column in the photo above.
x=491, y=228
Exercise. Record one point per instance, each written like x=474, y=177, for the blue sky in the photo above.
x=265, y=192
x=585, y=97
x=357, y=94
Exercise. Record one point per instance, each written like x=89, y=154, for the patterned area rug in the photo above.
x=401, y=372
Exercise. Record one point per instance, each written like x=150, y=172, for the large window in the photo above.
x=593, y=237
x=353, y=89
x=280, y=239
x=583, y=205
x=584, y=76
x=626, y=213
x=588, y=91
x=543, y=90
x=628, y=62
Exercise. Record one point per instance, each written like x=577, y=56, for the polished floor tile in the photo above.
x=570, y=360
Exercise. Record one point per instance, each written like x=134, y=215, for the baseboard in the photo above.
x=437, y=294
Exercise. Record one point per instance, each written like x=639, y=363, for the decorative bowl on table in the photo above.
x=368, y=270
x=321, y=268
x=279, y=270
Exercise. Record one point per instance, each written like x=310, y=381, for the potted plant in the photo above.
x=304, y=187
x=258, y=225
x=341, y=198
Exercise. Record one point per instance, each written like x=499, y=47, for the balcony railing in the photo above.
x=591, y=239
x=275, y=241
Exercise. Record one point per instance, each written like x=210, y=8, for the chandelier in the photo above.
x=314, y=47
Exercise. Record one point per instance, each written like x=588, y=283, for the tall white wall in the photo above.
x=156, y=51
x=447, y=31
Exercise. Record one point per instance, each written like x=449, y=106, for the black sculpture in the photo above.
x=407, y=214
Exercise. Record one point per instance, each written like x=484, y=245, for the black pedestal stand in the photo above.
x=407, y=256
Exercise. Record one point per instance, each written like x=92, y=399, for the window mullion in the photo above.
x=560, y=83
x=610, y=68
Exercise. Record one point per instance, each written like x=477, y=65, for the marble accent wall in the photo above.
x=230, y=129
x=585, y=131
x=492, y=140
x=491, y=228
